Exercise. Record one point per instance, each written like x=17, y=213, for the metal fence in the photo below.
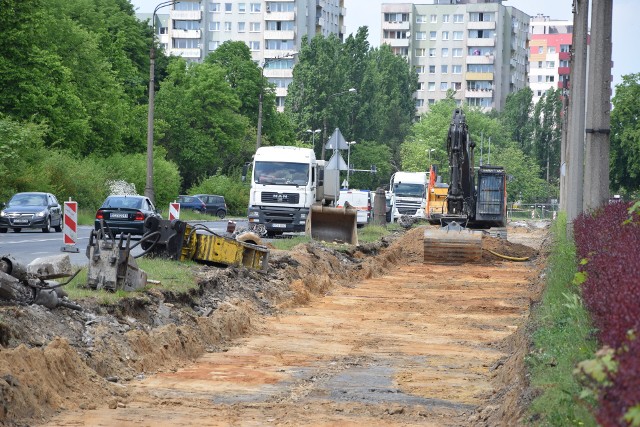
x=534, y=211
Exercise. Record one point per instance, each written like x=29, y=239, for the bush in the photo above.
x=607, y=243
x=235, y=192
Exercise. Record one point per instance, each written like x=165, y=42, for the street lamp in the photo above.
x=430, y=151
x=313, y=136
x=148, y=189
x=324, y=120
x=260, y=96
x=349, y=144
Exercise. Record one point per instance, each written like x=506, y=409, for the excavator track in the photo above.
x=452, y=244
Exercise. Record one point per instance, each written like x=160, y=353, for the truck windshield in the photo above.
x=281, y=173
x=409, y=190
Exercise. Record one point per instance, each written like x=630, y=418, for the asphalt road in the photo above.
x=31, y=244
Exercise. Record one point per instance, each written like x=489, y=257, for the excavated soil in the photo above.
x=366, y=336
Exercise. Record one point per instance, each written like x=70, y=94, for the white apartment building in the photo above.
x=271, y=29
x=475, y=48
x=550, y=54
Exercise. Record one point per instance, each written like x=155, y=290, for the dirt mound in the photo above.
x=506, y=248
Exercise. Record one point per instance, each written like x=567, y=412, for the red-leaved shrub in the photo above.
x=609, y=241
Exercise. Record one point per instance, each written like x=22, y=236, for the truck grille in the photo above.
x=407, y=208
x=271, y=197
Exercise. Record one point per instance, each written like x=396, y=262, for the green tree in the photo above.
x=625, y=135
x=524, y=182
x=516, y=117
x=363, y=156
x=547, y=134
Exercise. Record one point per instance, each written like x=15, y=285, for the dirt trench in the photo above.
x=368, y=337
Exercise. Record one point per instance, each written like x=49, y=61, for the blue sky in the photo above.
x=625, y=27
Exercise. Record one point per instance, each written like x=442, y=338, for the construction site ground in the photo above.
x=366, y=335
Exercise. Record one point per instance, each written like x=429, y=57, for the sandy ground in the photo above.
x=418, y=345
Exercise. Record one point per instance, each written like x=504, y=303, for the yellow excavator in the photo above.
x=475, y=201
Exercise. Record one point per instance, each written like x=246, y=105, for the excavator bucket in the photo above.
x=452, y=244
x=333, y=224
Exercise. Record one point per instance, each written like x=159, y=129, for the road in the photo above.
x=30, y=244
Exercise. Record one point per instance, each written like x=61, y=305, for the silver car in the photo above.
x=31, y=210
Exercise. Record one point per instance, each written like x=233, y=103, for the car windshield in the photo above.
x=409, y=190
x=283, y=173
x=28, y=200
x=123, y=202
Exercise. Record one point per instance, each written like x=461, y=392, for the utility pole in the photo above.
x=575, y=135
x=596, y=180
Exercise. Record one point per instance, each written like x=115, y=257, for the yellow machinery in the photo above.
x=181, y=241
x=436, y=199
x=333, y=224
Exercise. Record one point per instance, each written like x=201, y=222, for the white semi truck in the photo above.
x=408, y=194
x=289, y=186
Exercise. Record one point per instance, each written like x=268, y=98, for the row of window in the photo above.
x=444, y=52
x=433, y=35
x=455, y=69
x=228, y=7
x=254, y=27
x=444, y=86
x=474, y=102
x=551, y=49
x=422, y=19
x=254, y=45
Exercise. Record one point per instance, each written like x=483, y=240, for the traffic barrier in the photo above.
x=70, y=230
x=174, y=211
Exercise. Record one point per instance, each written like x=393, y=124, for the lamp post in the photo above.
x=324, y=120
x=313, y=136
x=148, y=189
x=430, y=151
x=261, y=95
x=349, y=144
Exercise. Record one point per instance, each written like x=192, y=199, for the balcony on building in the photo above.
x=280, y=16
x=277, y=53
x=396, y=25
x=277, y=73
x=564, y=56
x=279, y=35
x=479, y=76
x=480, y=59
x=397, y=42
x=481, y=25
x=478, y=93
x=484, y=42
x=185, y=15
x=186, y=53
x=186, y=34
x=564, y=71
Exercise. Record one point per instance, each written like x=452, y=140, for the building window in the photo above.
x=445, y=19
x=445, y=35
x=433, y=35
x=445, y=52
x=565, y=48
x=481, y=34
x=431, y=86
x=186, y=43
x=456, y=69
x=444, y=86
x=482, y=17
x=456, y=85
x=213, y=45
x=186, y=5
x=539, y=64
x=477, y=51
x=458, y=19
x=550, y=79
x=431, y=101
x=419, y=103
x=396, y=17
x=540, y=49
x=432, y=69
x=479, y=102
x=564, y=63
x=551, y=64
x=186, y=25
x=254, y=45
x=403, y=51
x=421, y=35
x=480, y=68
x=432, y=52
x=241, y=27
x=419, y=69
x=228, y=7
x=540, y=79
x=214, y=26
x=420, y=86
x=254, y=7
x=215, y=7
x=458, y=35
x=254, y=27
x=444, y=69
x=227, y=26
x=433, y=19
x=242, y=7
x=280, y=101
x=457, y=52
x=551, y=49
x=278, y=44
x=421, y=19
x=539, y=93
x=420, y=52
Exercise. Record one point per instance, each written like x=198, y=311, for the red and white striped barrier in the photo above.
x=70, y=230
x=174, y=211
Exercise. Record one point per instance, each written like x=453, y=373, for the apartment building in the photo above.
x=271, y=29
x=474, y=50
x=549, y=55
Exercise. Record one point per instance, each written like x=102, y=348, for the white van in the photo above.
x=359, y=199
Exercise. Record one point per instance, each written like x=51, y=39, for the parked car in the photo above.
x=216, y=205
x=192, y=203
x=125, y=214
x=31, y=210
x=359, y=199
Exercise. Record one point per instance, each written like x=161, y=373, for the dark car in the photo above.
x=125, y=214
x=216, y=205
x=192, y=203
x=31, y=210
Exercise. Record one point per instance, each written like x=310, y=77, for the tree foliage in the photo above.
x=517, y=118
x=547, y=134
x=625, y=135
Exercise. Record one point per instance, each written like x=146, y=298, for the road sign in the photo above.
x=174, y=211
x=70, y=229
x=337, y=141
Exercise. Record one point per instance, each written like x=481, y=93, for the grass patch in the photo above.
x=86, y=217
x=562, y=338
x=287, y=244
x=372, y=233
x=174, y=276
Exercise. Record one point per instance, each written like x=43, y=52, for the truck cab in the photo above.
x=408, y=194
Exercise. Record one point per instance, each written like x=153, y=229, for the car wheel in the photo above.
x=47, y=225
x=221, y=213
x=58, y=227
x=3, y=230
x=17, y=230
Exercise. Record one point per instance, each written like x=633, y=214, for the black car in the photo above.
x=192, y=203
x=125, y=214
x=215, y=205
x=31, y=210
